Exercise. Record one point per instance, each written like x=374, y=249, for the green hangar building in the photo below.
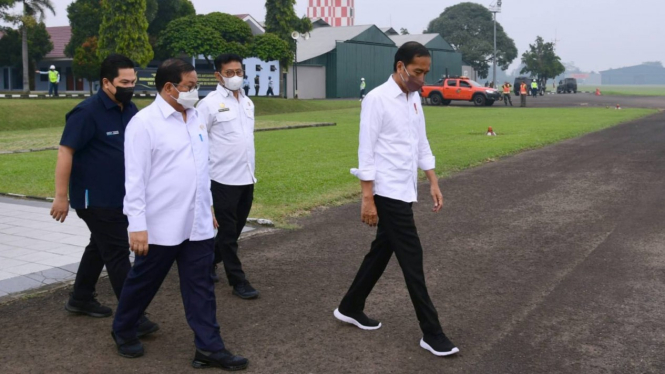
x=331, y=63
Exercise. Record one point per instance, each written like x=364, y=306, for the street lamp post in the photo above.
x=295, y=36
x=495, y=8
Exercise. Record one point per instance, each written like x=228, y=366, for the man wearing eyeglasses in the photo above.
x=168, y=205
x=229, y=117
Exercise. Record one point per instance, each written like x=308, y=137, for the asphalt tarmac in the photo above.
x=581, y=100
x=550, y=261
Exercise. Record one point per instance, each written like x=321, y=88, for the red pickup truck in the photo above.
x=460, y=88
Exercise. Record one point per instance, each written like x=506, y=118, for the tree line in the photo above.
x=143, y=30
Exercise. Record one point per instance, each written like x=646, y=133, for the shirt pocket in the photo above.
x=249, y=111
x=228, y=122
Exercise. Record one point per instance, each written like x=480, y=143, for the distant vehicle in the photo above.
x=542, y=86
x=460, y=89
x=568, y=85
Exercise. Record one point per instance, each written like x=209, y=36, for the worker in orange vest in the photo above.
x=506, y=94
x=523, y=94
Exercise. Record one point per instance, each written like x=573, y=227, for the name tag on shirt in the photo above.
x=111, y=133
x=224, y=110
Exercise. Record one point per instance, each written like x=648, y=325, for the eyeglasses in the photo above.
x=232, y=73
x=189, y=88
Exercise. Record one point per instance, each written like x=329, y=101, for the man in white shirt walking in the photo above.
x=168, y=205
x=229, y=117
x=393, y=145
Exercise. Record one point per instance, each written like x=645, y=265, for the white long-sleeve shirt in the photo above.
x=230, y=124
x=393, y=142
x=167, y=185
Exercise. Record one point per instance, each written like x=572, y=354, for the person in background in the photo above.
x=257, y=84
x=270, y=87
x=363, y=86
x=392, y=132
x=524, y=92
x=245, y=85
x=54, y=80
x=506, y=94
x=534, y=88
x=229, y=118
x=169, y=207
x=91, y=171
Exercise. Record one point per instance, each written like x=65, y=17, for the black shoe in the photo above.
x=358, y=319
x=90, y=308
x=244, y=290
x=130, y=349
x=146, y=327
x=439, y=345
x=213, y=273
x=222, y=359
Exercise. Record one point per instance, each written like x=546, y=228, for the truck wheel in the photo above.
x=479, y=100
x=446, y=102
x=436, y=98
x=489, y=103
x=575, y=91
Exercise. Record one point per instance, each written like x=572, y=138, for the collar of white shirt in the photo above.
x=167, y=110
x=393, y=88
x=225, y=92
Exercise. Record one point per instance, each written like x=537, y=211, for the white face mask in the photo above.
x=187, y=99
x=234, y=83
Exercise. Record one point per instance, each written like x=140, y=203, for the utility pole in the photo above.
x=295, y=36
x=495, y=8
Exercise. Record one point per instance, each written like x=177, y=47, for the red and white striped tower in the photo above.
x=335, y=12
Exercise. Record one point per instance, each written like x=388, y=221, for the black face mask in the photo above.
x=124, y=94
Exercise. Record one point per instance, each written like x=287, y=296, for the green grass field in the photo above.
x=626, y=90
x=299, y=170
x=46, y=113
x=37, y=124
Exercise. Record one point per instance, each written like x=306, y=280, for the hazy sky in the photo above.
x=595, y=34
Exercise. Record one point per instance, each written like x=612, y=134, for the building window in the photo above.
x=351, y=12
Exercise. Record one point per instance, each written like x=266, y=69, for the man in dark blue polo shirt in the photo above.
x=91, y=165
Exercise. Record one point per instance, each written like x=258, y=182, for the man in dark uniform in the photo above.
x=257, y=85
x=91, y=166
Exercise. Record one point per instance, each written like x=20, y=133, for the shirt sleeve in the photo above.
x=80, y=128
x=370, y=124
x=426, y=160
x=138, y=150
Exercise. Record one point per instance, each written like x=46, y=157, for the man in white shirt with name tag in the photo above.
x=168, y=205
x=393, y=145
x=229, y=117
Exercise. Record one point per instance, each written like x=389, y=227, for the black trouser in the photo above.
x=270, y=92
x=108, y=246
x=396, y=233
x=362, y=93
x=257, y=90
x=232, y=205
x=507, y=99
x=194, y=259
x=523, y=100
x=246, y=90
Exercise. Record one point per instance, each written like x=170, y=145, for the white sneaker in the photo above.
x=360, y=320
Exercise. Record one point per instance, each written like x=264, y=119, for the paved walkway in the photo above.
x=35, y=250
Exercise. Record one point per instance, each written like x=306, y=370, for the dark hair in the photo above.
x=171, y=71
x=408, y=52
x=111, y=67
x=225, y=59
